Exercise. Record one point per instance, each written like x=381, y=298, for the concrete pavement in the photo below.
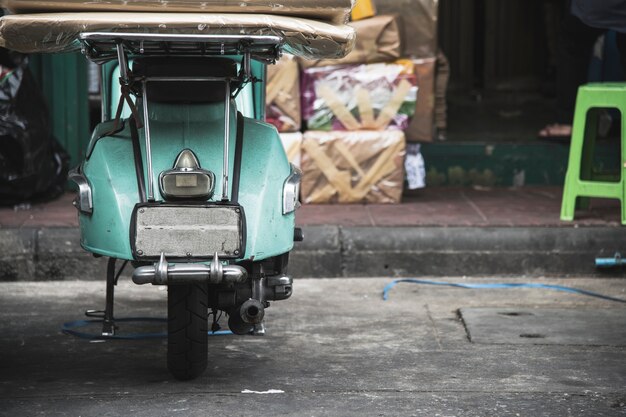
x=334, y=349
x=339, y=251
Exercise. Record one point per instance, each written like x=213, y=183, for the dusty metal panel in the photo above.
x=185, y=232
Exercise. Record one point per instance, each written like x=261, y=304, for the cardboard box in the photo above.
x=441, y=89
x=363, y=9
x=359, y=97
x=378, y=39
x=418, y=22
x=421, y=127
x=353, y=167
x=282, y=108
x=292, y=142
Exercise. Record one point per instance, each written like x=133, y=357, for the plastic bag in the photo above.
x=33, y=166
x=359, y=97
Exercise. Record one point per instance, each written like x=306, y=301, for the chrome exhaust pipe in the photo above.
x=243, y=319
x=162, y=273
x=252, y=311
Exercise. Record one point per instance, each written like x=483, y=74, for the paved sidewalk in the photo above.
x=436, y=231
x=334, y=349
x=437, y=207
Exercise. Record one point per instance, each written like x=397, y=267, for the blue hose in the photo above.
x=392, y=284
x=615, y=261
x=68, y=328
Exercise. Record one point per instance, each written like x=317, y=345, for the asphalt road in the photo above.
x=334, y=349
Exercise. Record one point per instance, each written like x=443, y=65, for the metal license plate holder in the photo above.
x=187, y=231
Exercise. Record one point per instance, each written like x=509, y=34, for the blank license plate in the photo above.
x=188, y=231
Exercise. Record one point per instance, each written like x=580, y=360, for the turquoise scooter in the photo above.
x=185, y=181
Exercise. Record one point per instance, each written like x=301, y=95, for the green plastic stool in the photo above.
x=580, y=181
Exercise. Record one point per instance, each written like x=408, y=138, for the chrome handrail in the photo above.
x=118, y=45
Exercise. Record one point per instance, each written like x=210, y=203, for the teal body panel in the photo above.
x=110, y=170
x=111, y=176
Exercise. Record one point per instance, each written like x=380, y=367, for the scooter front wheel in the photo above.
x=187, y=325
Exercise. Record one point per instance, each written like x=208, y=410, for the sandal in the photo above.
x=556, y=133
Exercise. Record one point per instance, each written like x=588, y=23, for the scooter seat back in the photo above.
x=208, y=116
x=185, y=91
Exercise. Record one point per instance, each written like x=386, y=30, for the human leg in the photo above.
x=575, y=45
x=621, y=45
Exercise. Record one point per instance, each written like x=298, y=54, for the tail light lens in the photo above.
x=186, y=180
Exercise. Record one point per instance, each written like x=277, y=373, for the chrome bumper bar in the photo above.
x=162, y=273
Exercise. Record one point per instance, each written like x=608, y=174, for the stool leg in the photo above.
x=589, y=146
x=568, y=203
x=622, y=178
x=572, y=177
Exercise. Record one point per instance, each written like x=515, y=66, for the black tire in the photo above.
x=187, y=325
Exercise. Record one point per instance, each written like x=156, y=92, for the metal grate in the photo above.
x=101, y=46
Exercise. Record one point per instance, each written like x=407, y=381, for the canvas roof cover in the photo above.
x=336, y=11
x=58, y=32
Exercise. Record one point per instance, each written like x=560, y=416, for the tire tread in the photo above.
x=187, y=344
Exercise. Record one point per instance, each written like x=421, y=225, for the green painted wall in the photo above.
x=63, y=80
x=507, y=164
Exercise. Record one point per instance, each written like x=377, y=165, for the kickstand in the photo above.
x=259, y=329
x=108, y=321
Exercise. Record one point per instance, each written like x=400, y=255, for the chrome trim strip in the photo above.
x=185, y=79
x=279, y=280
x=104, y=105
x=226, y=143
x=146, y=123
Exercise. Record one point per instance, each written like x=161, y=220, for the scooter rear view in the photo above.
x=189, y=191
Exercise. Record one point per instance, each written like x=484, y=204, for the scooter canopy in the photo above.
x=61, y=32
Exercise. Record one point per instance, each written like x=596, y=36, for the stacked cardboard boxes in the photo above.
x=353, y=167
x=358, y=112
x=282, y=96
x=359, y=97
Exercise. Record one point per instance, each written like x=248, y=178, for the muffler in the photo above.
x=241, y=320
x=252, y=312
